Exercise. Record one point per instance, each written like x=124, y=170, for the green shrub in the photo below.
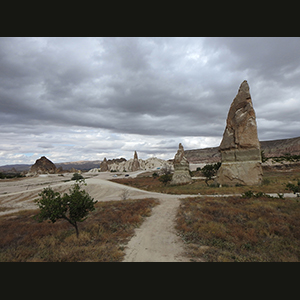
x=165, y=178
x=77, y=176
x=294, y=188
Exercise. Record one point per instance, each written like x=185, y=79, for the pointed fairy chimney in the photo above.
x=135, y=163
x=240, y=147
x=181, y=168
x=104, y=165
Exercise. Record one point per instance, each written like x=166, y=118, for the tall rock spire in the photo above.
x=104, y=165
x=181, y=168
x=240, y=147
x=135, y=163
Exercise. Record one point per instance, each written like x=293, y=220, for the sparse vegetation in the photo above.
x=294, y=188
x=251, y=194
x=273, y=182
x=77, y=176
x=155, y=175
x=73, y=207
x=102, y=236
x=285, y=157
x=10, y=175
x=125, y=194
x=238, y=229
x=165, y=178
x=210, y=171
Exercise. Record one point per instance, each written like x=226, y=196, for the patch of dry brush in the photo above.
x=102, y=235
x=237, y=229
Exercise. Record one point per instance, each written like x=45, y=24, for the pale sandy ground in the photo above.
x=155, y=240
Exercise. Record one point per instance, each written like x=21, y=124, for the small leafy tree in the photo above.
x=73, y=207
x=210, y=170
x=165, y=178
x=77, y=176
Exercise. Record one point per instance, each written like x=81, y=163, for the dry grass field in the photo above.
x=213, y=229
x=273, y=182
x=101, y=236
x=236, y=229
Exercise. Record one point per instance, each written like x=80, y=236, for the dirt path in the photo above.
x=156, y=239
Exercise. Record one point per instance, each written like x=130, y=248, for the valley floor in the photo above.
x=139, y=230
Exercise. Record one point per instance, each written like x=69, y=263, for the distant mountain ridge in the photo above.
x=207, y=155
x=83, y=165
x=271, y=149
x=78, y=165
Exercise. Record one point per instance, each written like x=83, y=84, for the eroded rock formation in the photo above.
x=181, y=168
x=43, y=166
x=104, y=166
x=135, y=164
x=240, y=147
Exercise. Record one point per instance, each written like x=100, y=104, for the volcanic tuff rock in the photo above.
x=43, y=165
x=181, y=168
x=104, y=165
x=240, y=147
x=135, y=164
x=123, y=165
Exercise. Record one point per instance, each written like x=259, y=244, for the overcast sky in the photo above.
x=88, y=98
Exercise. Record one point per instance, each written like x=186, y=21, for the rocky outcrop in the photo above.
x=43, y=166
x=104, y=166
x=240, y=147
x=135, y=164
x=152, y=163
x=181, y=168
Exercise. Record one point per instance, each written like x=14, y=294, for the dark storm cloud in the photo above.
x=155, y=87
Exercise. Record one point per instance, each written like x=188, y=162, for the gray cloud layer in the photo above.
x=147, y=90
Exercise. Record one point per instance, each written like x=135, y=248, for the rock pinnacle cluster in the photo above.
x=240, y=147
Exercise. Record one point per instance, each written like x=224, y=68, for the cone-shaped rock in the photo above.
x=43, y=165
x=181, y=168
x=104, y=165
x=240, y=148
x=135, y=164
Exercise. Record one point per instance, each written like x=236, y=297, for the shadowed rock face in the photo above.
x=135, y=164
x=104, y=165
x=43, y=166
x=240, y=147
x=181, y=168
